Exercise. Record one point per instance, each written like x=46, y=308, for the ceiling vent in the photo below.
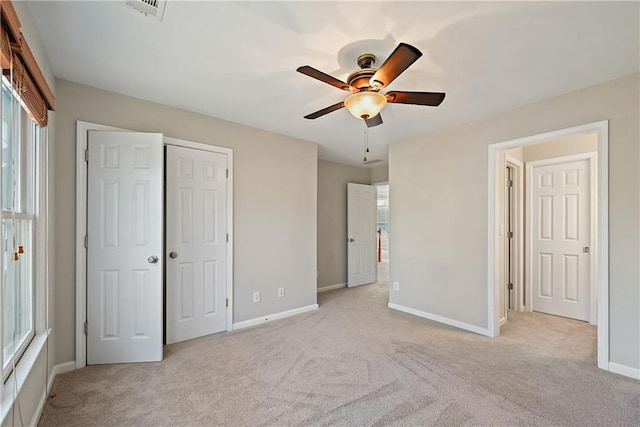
x=150, y=8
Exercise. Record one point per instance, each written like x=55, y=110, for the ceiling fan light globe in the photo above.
x=365, y=104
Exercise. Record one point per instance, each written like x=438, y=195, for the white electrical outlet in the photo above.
x=256, y=297
x=396, y=286
x=280, y=292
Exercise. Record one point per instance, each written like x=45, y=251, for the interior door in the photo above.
x=361, y=234
x=124, y=247
x=509, y=244
x=561, y=236
x=196, y=243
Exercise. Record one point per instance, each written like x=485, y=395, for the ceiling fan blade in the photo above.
x=323, y=77
x=324, y=111
x=400, y=59
x=374, y=121
x=417, y=98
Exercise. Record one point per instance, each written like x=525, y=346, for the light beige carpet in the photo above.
x=356, y=362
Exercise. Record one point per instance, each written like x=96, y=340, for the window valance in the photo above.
x=18, y=61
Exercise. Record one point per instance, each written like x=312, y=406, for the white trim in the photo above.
x=275, y=316
x=332, y=287
x=57, y=369
x=39, y=408
x=62, y=368
x=602, y=130
x=19, y=376
x=82, y=129
x=229, y=153
x=441, y=319
x=627, y=371
x=591, y=157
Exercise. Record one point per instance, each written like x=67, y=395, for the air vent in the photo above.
x=150, y=8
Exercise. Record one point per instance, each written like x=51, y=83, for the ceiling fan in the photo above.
x=366, y=101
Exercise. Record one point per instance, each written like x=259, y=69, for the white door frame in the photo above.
x=602, y=130
x=593, y=238
x=518, y=241
x=82, y=131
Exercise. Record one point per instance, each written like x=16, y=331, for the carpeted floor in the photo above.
x=355, y=362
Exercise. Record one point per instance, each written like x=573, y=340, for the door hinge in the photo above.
x=510, y=285
x=227, y=237
x=510, y=183
x=86, y=327
x=86, y=241
x=509, y=234
x=227, y=173
x=86, y=155
x=227, y=303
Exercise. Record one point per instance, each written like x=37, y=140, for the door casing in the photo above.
x=82, y=129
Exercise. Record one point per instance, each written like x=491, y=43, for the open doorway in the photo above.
x=382, y=254
x=547, y=222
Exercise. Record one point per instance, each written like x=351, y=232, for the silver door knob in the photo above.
x=351, y=240
x=152, y=259
x=173, y=254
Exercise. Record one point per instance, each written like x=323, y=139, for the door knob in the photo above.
x=173, y=254
x=351, y=240
x=152, y=259
x=586, y=249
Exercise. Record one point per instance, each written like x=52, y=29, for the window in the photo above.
x=20, y=139
x=383, y=207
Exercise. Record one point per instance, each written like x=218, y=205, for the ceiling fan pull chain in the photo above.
x=364, y=142
x=366, y=131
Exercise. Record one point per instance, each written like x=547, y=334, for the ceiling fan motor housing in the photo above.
x=361, y=78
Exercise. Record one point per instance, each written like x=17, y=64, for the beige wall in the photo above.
x=439, y=208
x=332, y=219
x=567, y=146
x=379, y=174
x=275, y=184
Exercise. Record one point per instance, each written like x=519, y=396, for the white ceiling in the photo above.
x=237, y=60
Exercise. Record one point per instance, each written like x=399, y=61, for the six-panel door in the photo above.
x=125, y=240
x=561, y=228
x=361, y=230
x=196, y=243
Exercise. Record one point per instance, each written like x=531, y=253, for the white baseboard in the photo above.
x=64, y=367
x=332, y=287
x=627, y=371
x=275, y=316
x=440, y=319
x=502, y=321
x=38, y=413
x=60, y=368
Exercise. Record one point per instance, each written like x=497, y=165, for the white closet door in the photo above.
x=125, y=240
x=196, y=243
